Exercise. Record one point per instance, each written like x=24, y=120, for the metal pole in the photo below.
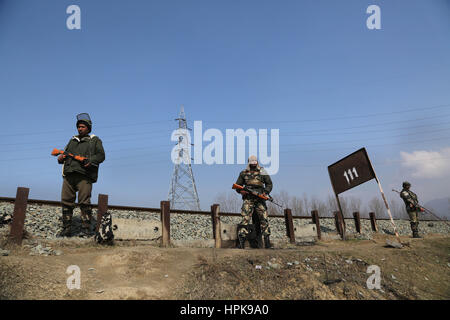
x=18, y=220
x=315, y=217
x=101, y=209
x=339, y=206
x=289, y=225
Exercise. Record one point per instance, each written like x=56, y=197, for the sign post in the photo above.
x=351, y=171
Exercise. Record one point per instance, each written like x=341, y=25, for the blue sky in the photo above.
x=311, y=69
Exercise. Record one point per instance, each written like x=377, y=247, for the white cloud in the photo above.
x=427, y=164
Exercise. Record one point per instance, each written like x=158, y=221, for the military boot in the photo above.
x=67, y=214
x=259, y=241
x=86, y=218
x=267, y=244
x=241, y=237
x=416, y=230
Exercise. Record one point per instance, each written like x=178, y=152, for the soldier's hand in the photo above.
x=61, y=158
x=87, y=165
x=243, y=192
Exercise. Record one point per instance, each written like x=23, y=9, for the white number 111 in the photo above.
x=349, y=176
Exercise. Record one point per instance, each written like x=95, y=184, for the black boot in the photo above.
x=416, y=230
x=241, y=238
x=67, y=213
x=259, y=241
x=86, y=218
x=267, y=244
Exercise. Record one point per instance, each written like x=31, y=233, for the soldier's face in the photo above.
x=82, y=129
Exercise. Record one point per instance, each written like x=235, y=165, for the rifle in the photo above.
x=256, y=194
x=421, y=208
x=83, y=160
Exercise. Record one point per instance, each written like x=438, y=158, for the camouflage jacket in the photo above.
x=257, y=180
x=410, y=199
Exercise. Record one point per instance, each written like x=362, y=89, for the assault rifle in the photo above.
x=426, y=210
x=83, y=160
x=256, y=194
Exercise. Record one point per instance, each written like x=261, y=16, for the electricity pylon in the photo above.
x=183, y=192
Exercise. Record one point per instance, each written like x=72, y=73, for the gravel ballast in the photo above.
x=44, y=221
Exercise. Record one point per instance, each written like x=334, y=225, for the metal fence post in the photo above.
x=101, y=209
x=339, y=221
x=165, y=221
x=289, y=225
x=18, y=220
x=373, y=221
x=215, y=214
x=357, y=221
x=315, y=218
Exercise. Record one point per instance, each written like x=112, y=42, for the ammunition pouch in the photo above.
x=255, y=183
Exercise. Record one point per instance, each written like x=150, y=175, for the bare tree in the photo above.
x=229, y=202
x=377, y=206
x=297, y=207
x=354, y=204
x=398, y=210
x=345, y=206
x=319, y=205
x=305, y=201
x=332, y=205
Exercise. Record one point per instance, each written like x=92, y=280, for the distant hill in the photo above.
x=440, y=207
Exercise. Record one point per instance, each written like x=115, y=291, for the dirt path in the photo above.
x=327, y=270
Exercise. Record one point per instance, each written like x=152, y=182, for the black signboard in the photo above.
x=351, y=171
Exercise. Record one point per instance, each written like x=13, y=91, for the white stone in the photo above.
x=228, y=231
x=308, y=230
x=133, y=229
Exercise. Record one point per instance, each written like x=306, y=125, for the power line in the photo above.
x=288, y=134
x=365, y=139
x=120, y=125
x=332, y=132
x=371, y=146
x=341, y=117
x=375, y=163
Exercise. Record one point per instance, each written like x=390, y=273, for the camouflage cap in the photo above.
x=406, y=184
x=252, y=160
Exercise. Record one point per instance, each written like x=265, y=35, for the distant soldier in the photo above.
x=258, y=180
x=412, y=207
x=79, y=176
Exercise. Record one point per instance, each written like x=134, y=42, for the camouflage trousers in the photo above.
x=413, y=216
x=255, y=205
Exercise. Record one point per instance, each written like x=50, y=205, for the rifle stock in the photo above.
x=56, y=152
x=256, y=194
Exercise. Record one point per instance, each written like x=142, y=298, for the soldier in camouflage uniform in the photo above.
x=256, y=179
x=412, y=207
